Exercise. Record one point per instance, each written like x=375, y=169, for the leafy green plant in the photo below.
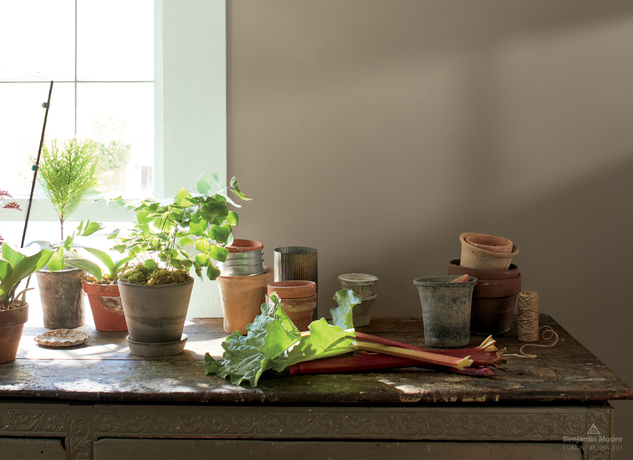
x=16, y=265
x=165, y=233
x=68, y=174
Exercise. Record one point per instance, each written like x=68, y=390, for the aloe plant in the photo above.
x=15, y=266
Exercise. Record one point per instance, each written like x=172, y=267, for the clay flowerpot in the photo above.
x=107, y=308
x=62, y=298
x=246, y=257
x=242, y=298
x=11, y=326
x=364, y=286
x=446, y=310
x=486, y=256
x=494, y=297
x=155, y=316
x=297, y=299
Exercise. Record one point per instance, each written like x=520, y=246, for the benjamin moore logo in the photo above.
x=593, y=429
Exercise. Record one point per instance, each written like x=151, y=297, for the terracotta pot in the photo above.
x=107, y=308
x=494, y=298
x=489, y=242
x=477, y=257
x=446, y=310
x=454, y=268
x=298, y=299
x=155, y=314
x=242, y=298
x=11, y=326
x=62, y=298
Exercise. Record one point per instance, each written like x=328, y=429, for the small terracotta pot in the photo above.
x=11, y=326
x=298, y=299
x=242, y=298
x=479, y=258
x=106, y=306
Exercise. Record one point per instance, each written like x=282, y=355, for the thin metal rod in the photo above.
x=36, y=166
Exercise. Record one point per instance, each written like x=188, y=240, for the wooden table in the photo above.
x=99, y=401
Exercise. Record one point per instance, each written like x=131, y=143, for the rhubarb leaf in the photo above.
x=247, y=357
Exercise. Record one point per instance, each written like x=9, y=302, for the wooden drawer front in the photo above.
x=122, y=449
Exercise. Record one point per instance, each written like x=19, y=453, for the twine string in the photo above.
x=528, y=316
x=547, y=334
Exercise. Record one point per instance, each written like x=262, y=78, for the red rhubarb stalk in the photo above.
x=419, y=354
x=374, y=362
x=483, y=355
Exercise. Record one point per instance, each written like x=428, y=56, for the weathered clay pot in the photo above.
x=446, y=310
x=364, y=286
x=107, y=308
x=297, y=299
x=157, y=313
x=480, y=258
x=242, y=298
x=11, y=326
x=62, y=298
x=494, y=298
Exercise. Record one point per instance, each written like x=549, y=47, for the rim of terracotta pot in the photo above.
x=489, y=242
x=454, y=268
x=90, y=288
x=239, y=245
x=358, y=278
x=154, y=286
x=293, y=289
x=15, y=316
x=515, y=249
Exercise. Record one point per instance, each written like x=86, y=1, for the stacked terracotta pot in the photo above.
x=298, y=299
x=489, y=259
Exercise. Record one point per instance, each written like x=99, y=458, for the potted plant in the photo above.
x=15, y=266
x=68, y=174
x=169, y=238
x=103, y=292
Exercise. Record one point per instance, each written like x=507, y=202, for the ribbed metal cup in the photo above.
x=297, y=263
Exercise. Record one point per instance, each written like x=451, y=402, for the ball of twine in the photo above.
x=528, y=316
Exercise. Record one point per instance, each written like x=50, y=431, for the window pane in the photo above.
x=115, y=40
x=120, y=118
x=37, y=40
x=21, y=120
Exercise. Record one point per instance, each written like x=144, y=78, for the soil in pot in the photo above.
x=107, y=308
x=446, y=310
x=298, y=299
x=62, y=298
x=11, y=326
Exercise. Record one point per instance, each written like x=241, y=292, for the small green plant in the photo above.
x=114, y=268
x=165, y=233
x=68, y=174
x=16, y=265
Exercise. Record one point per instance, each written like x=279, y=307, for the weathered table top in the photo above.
x=104, y=370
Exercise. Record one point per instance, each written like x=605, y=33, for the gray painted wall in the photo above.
x=377, y=131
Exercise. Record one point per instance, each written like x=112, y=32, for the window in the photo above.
x=100, y=54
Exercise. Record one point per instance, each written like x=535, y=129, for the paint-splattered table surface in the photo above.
x=104, y=370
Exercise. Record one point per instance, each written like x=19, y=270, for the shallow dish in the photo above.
x=60, y=338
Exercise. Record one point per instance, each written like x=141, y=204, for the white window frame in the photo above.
x=190, y=106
